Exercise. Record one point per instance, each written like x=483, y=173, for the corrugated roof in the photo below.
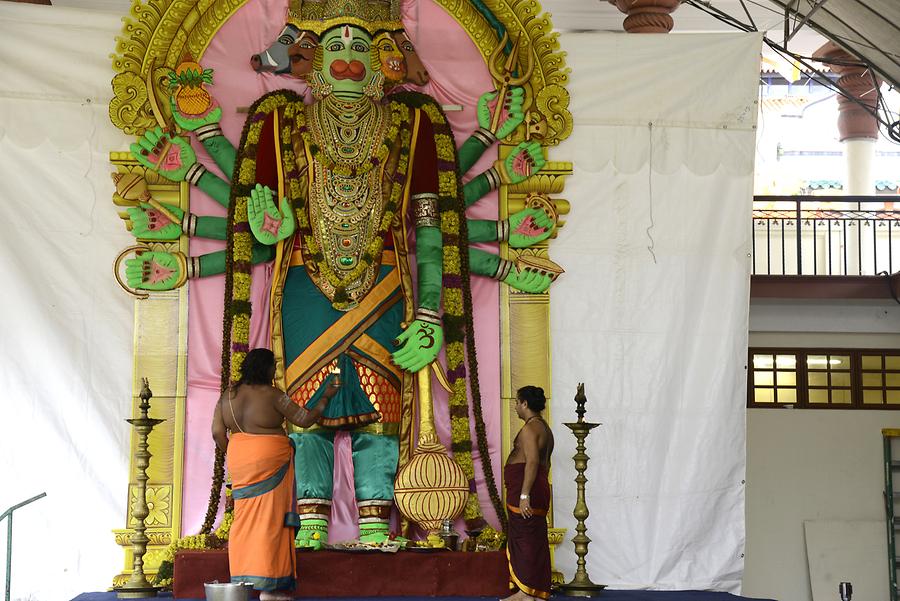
x=869, y=29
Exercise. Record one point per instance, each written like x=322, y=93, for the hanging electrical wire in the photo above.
x=888, y=124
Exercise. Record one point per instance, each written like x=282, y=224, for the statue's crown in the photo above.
x=320, y=15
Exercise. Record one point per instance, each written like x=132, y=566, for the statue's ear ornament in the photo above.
x=317, y=84
x=375, y=88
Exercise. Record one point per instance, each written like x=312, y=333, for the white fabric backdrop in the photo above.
x=660, y=345
x=65, y=327
x=652, y=312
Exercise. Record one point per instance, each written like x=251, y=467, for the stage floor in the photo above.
x=608, y=595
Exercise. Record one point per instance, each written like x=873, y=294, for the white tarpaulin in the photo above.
x=651, y=314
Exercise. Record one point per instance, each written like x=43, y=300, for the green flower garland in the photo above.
x=459, y=333
x=238, y=252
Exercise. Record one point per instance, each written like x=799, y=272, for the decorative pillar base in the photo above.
x=581, y=590
x=136, y=592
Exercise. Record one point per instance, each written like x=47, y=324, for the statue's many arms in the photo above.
x=362, y=171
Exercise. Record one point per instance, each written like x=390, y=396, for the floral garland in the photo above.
x=459, y=334
x=399, y=123
x=491, y=539
x=238, y=255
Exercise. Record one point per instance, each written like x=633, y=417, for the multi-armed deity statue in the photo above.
x=334, y=192
x=356, y=199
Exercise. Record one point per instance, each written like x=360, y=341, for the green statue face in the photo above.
x=346, y=61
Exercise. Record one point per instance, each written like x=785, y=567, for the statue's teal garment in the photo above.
x=307, y=314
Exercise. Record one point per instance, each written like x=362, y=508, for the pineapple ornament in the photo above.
x=188, y=82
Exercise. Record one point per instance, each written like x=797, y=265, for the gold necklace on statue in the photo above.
x=346, y=200
x=349, y=137
x=372, y=203
x=345, y=214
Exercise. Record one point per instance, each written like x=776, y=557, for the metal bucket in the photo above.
x=227, y=591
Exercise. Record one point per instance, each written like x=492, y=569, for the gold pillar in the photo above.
x=160, y=354
x=525, y=318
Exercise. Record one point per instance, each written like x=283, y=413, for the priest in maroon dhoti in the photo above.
x=526, y=476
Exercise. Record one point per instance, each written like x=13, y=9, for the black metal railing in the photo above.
x=825, y=235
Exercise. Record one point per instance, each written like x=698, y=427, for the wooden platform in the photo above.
x=346, y=574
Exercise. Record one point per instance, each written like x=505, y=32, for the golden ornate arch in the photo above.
x=155, y=36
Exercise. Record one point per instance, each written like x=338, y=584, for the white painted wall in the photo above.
x=810, y=464
x=807, y=465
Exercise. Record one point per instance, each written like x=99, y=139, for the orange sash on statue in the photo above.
x=260, y=545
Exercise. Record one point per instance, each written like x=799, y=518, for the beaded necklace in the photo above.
x=348, y=191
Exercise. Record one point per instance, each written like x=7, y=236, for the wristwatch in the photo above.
x=523, y=497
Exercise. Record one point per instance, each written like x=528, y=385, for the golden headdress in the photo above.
x=320, y=15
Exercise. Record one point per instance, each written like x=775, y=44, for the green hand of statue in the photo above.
x=312, y=534
x=154, y=271
x=527, y=280
x=528, y=227
x=525, y=160
x=267, y=223
x=149, y=223
x=512, y=115
x=419, y=345
x=160, y=151
x=191, y=123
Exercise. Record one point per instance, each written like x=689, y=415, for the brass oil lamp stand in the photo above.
x=581, y=585
x=137, y=586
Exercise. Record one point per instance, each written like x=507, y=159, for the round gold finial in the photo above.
x=430, y=488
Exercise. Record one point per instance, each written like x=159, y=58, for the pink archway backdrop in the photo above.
x=459, y=76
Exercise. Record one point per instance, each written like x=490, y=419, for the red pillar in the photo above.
x=854, y=121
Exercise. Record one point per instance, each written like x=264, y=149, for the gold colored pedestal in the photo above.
x=160, y=354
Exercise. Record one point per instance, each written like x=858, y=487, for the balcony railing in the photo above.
x=825, y=235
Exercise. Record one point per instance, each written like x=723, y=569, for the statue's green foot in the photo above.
x=374, y=533
x=312, y=534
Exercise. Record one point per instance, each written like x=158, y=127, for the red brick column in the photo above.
x=853, y=120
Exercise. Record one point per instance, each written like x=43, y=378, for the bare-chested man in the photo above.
x=260, y=462
x=526, y=477
x=254, y=406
